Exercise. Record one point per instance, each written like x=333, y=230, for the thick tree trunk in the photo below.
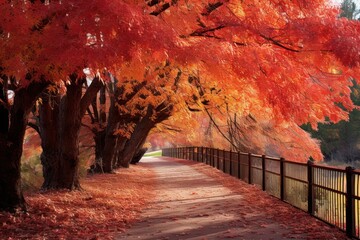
x=50, y=142
x=4, y=112
x=70, y=124
x=138, y=155
x=11, y=197
x=60, y=140
x=110, y=139
x=141, y=131
x=136, y=141
x=62, y=166
x=113, y=142
x=99, y=139
x=11, y=146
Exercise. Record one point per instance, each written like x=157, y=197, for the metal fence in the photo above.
x=328, y=193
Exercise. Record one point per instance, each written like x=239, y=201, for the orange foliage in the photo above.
x=285, y=62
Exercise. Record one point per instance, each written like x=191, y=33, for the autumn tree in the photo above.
x=291, y=58
x=59, y=126
x=135, y=108
x=50, y=41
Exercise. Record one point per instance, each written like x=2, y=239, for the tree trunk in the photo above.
x=64, y=161
x=4, y=112
x=136, y=141
x=70, y=124
x=11, y=147
x=141, y=131
x=113, y=142
x=110, y=139
x=50, y=142
x=99, y=139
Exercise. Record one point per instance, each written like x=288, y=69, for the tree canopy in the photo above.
x=258, y=67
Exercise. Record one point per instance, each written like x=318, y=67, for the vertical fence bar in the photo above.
x=205, y=154
x=230, y=159
x=212, y=157
x=224, y=165
x=198, y=154
x=350, y=206
x=310, y=173
x=331, y=179
x=249, y=174
x=282, y=179
x=238, y=160
x=202, y=155
x=263, y=172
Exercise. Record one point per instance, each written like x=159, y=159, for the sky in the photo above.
x=338, y=2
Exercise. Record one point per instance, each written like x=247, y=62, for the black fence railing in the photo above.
x=328, y=193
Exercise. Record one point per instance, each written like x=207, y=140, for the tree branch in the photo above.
x=279, y=44
x=90, y=94
x=34, y=126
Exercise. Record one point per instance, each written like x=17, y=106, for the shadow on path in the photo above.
x=192, y=205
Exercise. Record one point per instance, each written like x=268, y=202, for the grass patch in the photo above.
x=153, y=154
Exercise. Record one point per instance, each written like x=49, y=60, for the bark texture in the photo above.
x=11, y=146
x=61, y=163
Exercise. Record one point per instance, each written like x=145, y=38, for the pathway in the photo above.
x=191, y=205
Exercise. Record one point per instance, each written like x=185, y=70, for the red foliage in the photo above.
x=107, y=205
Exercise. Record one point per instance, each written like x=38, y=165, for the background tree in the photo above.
x=339, y=142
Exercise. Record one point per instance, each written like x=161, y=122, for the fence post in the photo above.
x=201, y=155
x=192, y=158
x=310, y=173
x=282, y=179
x=238, y=159
x=230, y=160
x=197, y=153
x=350, y=206
x=212, y=150
x=224, y=163
x=249, y=174
x=263, y=172
x=218, y=159
x=196, y=149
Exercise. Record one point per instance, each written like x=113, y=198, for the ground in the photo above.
x=162, y=198
x=107, y=205
x=195, y=201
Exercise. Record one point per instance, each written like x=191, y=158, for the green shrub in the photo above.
x=31, y=173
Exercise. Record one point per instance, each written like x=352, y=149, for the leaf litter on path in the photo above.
x=107, y=205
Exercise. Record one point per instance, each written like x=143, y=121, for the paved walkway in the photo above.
x=192, y=205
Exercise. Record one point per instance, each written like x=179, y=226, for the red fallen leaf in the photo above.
x=72, y=215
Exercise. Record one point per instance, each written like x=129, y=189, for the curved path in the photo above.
x=192, y=205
